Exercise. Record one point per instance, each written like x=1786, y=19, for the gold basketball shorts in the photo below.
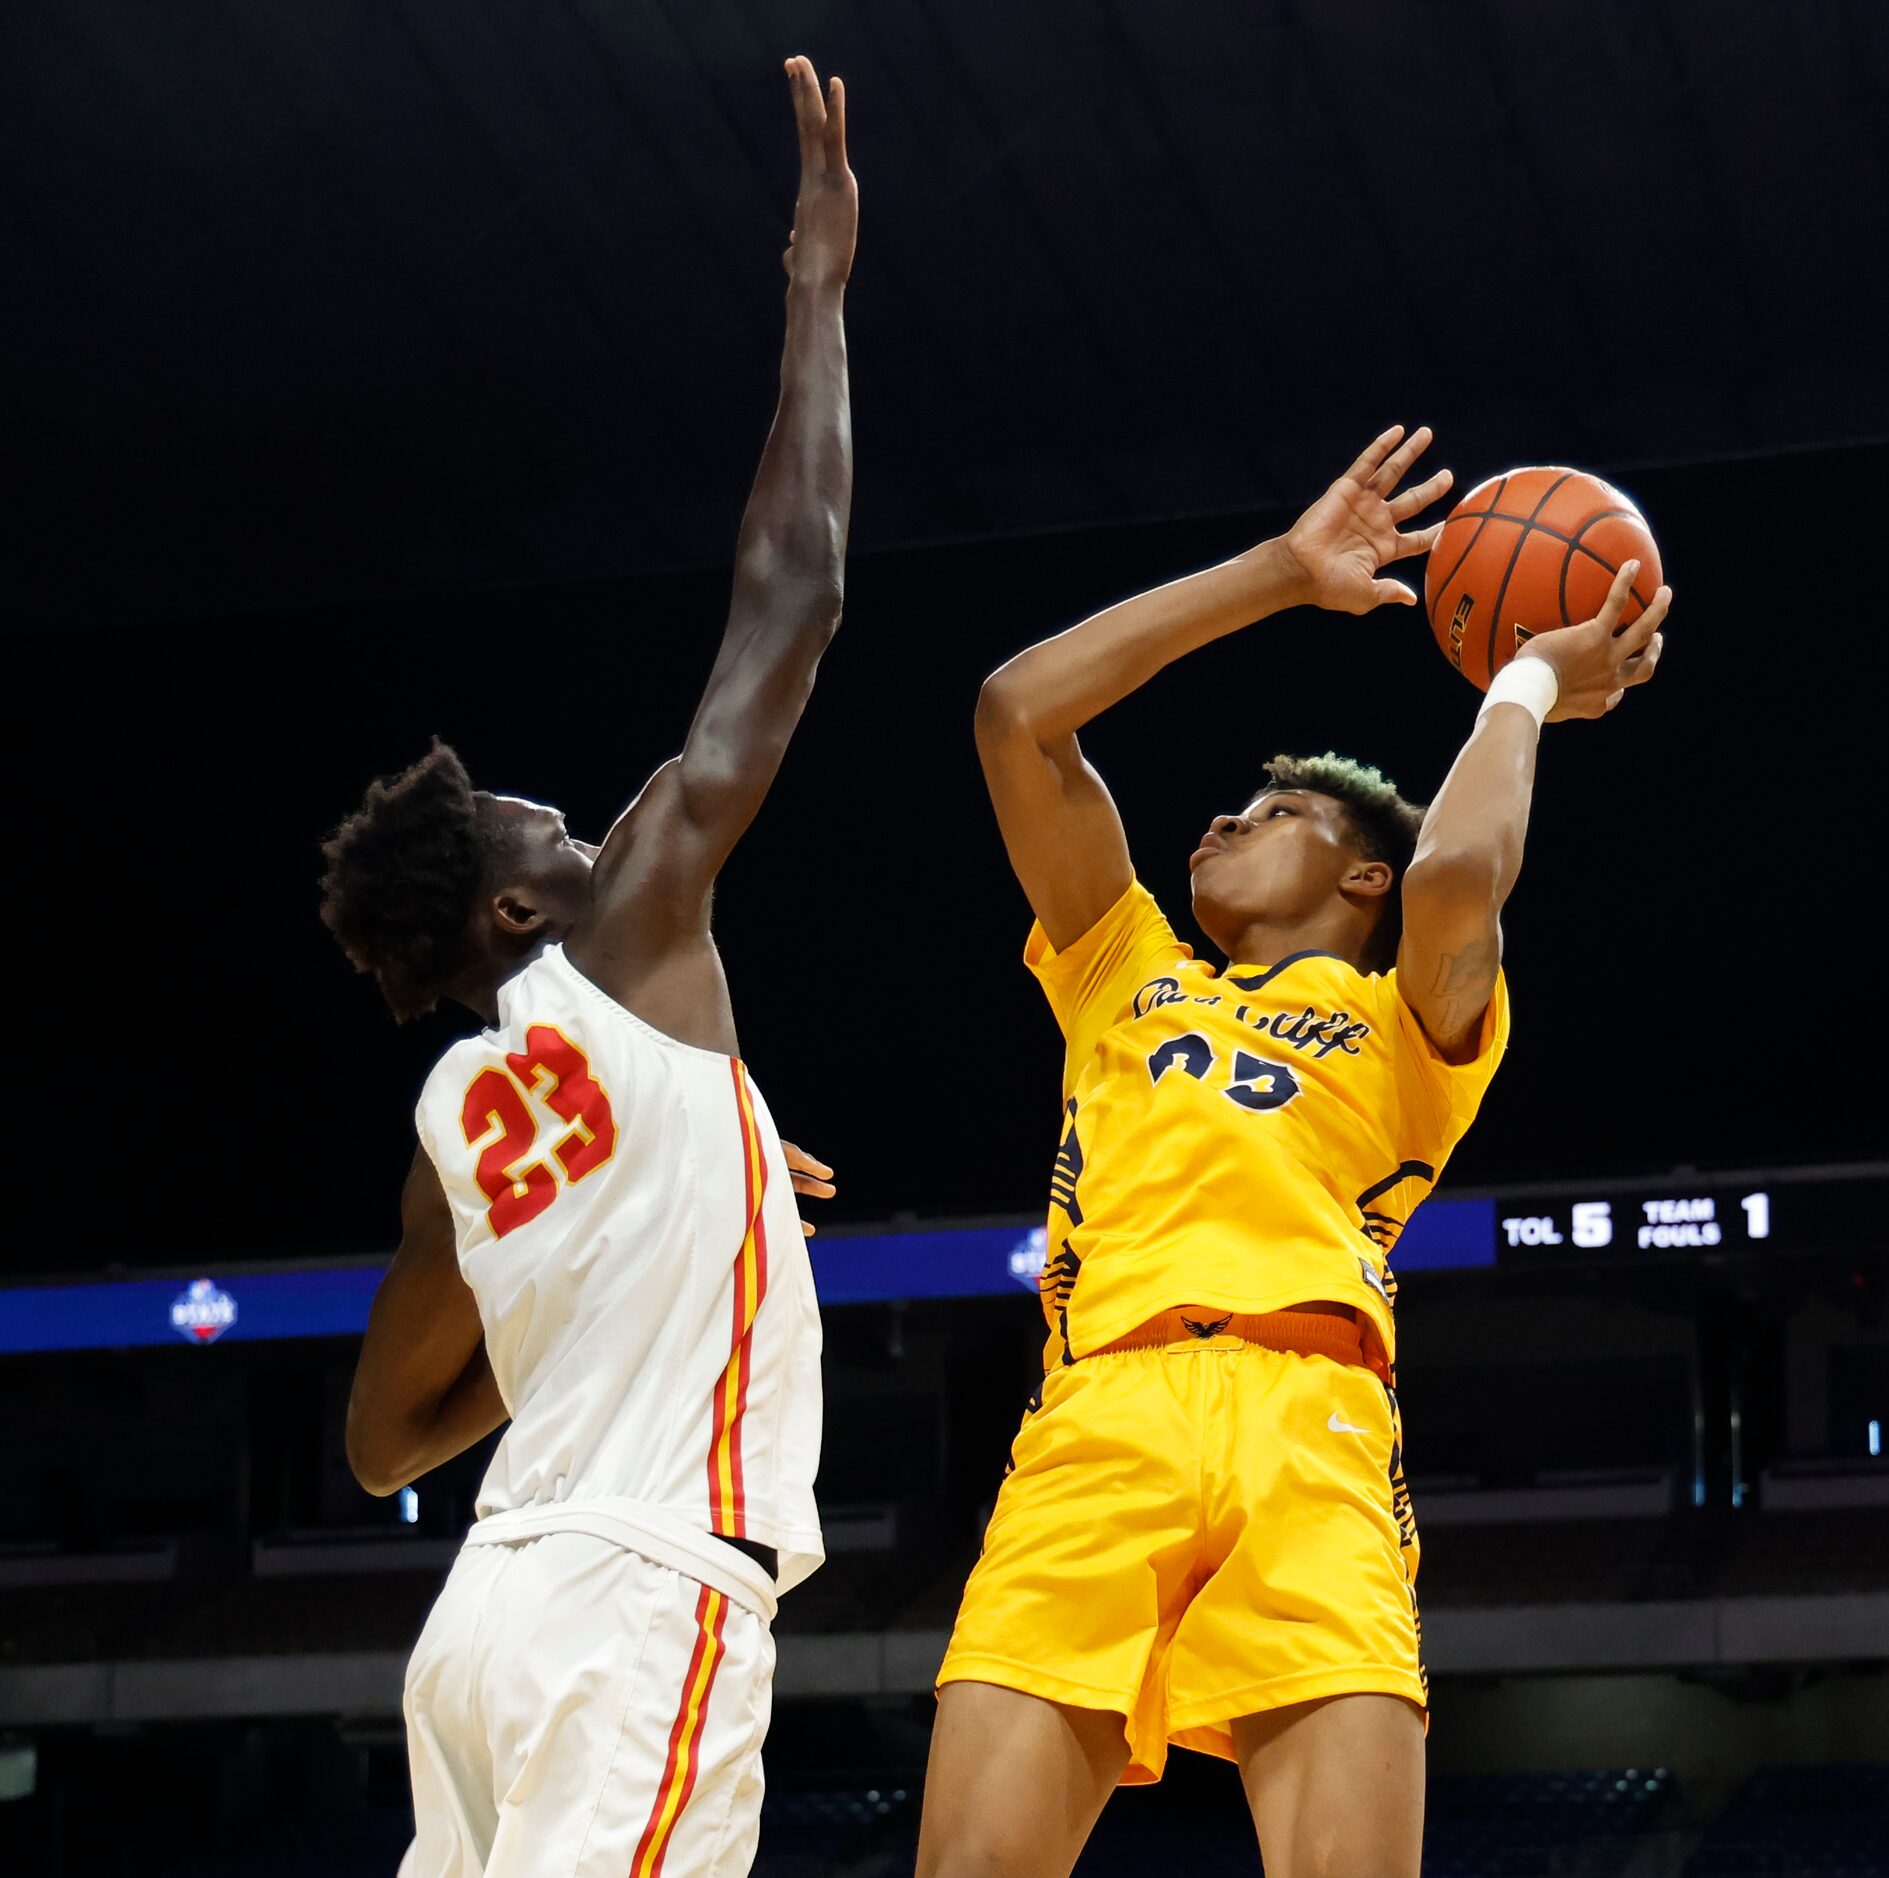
x=1196, y=1531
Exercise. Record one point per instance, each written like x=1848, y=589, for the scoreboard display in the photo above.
x=1842, y=1212
x=1787, y=1213
x=1685, y=1222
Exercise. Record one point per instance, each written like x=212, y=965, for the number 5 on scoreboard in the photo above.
x=1593, y=1223
x=500, y=1122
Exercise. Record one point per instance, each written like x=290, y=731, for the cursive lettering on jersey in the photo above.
x=1305, y=1029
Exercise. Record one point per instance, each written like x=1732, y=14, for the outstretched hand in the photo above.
x=811, y=1177
x=1599, y=661
x=1350, y=532
x=826, y=212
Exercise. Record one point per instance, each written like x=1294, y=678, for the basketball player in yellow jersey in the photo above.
x=1204, y=1537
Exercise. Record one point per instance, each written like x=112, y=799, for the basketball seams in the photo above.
x=1456, y=589
x=1504, y=515
x=1508, y=573
x=1578, y=546
x=1482, y=519
x=1567, y=560
x=1600, y=560
x=1519, y=557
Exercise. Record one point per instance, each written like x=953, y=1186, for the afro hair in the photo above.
x=403, y=873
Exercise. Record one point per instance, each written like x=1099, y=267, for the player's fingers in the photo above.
x=1374, y=453
x=813, y=1189
x=1632, y=640
x=1641, y=666
x=801, y=1162
x=1415, y=501
x=1391, y=593
x=836, y=123
x=1399, y=461
x=1639, y=635
x=1613, y=698
x=806, y=1229
x=797, y=93
x=1417, y=541
x=1608, y=618
x=809, y=112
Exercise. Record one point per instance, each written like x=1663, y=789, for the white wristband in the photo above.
x=1531, y=683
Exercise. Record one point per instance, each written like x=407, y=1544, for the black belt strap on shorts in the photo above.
x=763, y=1555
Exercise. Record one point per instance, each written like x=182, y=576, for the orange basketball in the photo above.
x=1529, y=552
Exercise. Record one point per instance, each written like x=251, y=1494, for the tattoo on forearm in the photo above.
x=1464, y=981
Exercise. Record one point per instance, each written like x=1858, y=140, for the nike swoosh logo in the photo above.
x=1344, y=1428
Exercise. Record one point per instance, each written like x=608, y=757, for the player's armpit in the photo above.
x=1060, y=825
x=652, y=871
x=645, y=940
x=423, y=1388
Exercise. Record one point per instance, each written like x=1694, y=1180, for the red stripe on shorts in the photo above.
x=685, y=1737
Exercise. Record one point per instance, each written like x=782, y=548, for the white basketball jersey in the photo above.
x=626, y=1221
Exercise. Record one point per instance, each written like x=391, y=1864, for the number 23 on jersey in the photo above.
x=500, y=1122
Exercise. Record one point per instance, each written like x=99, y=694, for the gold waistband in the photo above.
x=1299, y=1333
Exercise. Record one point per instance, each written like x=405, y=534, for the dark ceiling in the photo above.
x=408, y=357
x=320, y=298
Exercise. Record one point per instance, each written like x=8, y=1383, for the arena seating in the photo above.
x=1502, y=1826
x=1521, y=1825
x=858, y=1832
x=206, y=1606
x=1781, y=1822
x=1797, y=1822
x=1800, y=1822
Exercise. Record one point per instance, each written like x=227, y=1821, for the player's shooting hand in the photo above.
x=1350, y=532
x=811, y=1177
x=1599, y=662
x=826, y=212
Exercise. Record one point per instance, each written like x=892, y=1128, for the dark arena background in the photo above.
x=383, y=370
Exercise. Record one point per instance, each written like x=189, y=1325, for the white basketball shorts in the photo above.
x=574, y=1709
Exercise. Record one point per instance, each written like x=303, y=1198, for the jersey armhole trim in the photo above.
x=1420, y=1170
x=556, y=954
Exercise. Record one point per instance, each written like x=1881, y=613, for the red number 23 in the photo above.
x=552, y=1068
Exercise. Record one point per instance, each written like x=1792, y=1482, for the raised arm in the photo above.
x=1060, y=825
x=656, y=871
x=423, y=1389
x=1469, y=850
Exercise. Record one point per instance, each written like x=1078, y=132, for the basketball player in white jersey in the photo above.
x=600, y=1240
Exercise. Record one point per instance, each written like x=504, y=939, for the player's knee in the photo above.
x=977, y=1838
x=1336, y=1848
x=969, y=1849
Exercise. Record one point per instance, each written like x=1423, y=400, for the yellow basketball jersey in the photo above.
x=1242, y=1140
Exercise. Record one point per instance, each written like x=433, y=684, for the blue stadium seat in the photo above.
x=1531, y=1825
x=1801, y=1822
